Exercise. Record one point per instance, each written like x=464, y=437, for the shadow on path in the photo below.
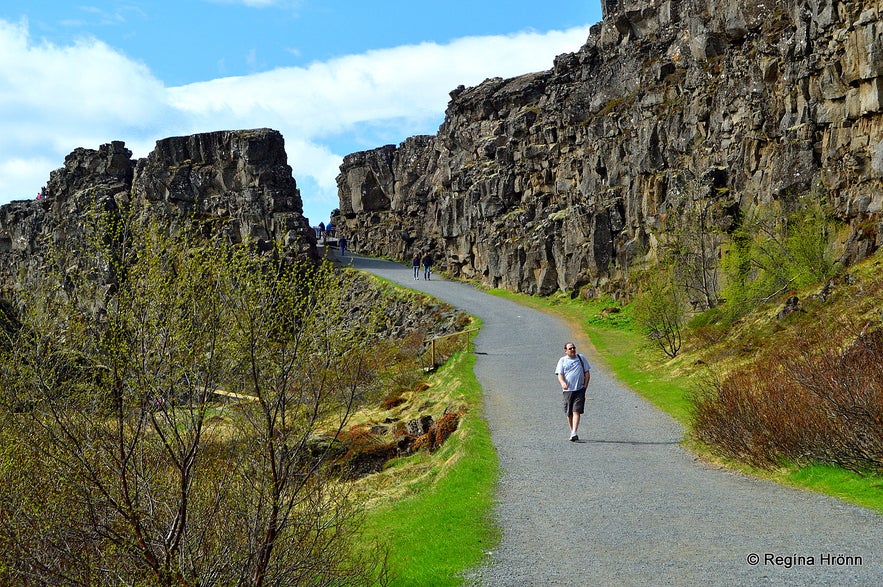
x=629, y=442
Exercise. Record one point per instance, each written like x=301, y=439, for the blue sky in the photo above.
x=333, y=76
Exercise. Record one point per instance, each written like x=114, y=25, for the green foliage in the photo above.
x=689, y=245
x=139, y=472
x=605, y=312
x=601, y=310
x=661, y=311
x=769, y=255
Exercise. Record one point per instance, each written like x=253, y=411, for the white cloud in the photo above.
x=16, y=176
x=403, y=88
x=410, y=81
x=87, y=80
x=56, y=98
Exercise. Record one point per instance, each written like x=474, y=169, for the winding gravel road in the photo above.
x=627, y=505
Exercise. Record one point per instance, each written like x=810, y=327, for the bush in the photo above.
x=770, y=254
x=127, y=469
x=808, y=400
x=660, y=308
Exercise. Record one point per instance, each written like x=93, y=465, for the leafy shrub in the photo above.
x=770, y=254
x=660, y=309
x=107, y=486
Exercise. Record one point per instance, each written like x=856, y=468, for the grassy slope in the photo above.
x=433, y=511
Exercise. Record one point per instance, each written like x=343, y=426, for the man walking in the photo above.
x=415, y=264
x=427, y=266
x=573, y=375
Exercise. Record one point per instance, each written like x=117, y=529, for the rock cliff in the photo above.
x=563, y=178
x=240, y=178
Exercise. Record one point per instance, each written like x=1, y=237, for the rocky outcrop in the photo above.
x=240, y=179
x=559, y=179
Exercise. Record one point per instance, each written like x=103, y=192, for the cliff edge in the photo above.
x=239, y=179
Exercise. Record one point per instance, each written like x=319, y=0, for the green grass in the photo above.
x=864, y=490
x=444, y=526
x=627, y=354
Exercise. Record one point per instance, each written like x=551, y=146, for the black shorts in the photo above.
x=574, y=401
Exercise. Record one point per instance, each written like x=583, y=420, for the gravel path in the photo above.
x=627, y=505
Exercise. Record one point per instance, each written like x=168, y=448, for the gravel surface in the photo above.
x=626, y=505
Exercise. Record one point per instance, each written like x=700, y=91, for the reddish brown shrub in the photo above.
x=847, y=386
x=365, y=452
x=807, y=400
x=421, y=442
x=393, y=399
x=443, y=428
x=357, y=435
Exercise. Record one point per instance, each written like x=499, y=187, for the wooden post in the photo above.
x=431, y=341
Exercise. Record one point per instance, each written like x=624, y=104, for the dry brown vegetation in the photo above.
x=411, y=417
x=805, y=388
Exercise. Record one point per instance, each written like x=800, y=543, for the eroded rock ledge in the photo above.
x=240, y=178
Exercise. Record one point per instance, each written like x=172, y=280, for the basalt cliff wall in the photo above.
x=565, y=178
x=240, y=180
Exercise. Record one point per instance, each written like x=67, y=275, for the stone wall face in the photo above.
x=239, y=178
x=563, y=178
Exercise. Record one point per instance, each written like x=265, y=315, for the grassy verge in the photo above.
x=864, y=490
x=668, y=386
x=441, y=524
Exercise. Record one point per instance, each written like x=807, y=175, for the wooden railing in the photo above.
x=432, y=342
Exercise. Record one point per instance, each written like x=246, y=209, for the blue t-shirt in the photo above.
x=573, y=370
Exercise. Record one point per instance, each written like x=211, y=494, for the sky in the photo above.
x=333, y=76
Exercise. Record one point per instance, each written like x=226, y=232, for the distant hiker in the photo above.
x=342, y=242
x=573, y=375
x=321, y=229
x=415, y=263
x=427, y=266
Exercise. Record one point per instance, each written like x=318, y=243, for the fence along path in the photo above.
x=627, y=505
